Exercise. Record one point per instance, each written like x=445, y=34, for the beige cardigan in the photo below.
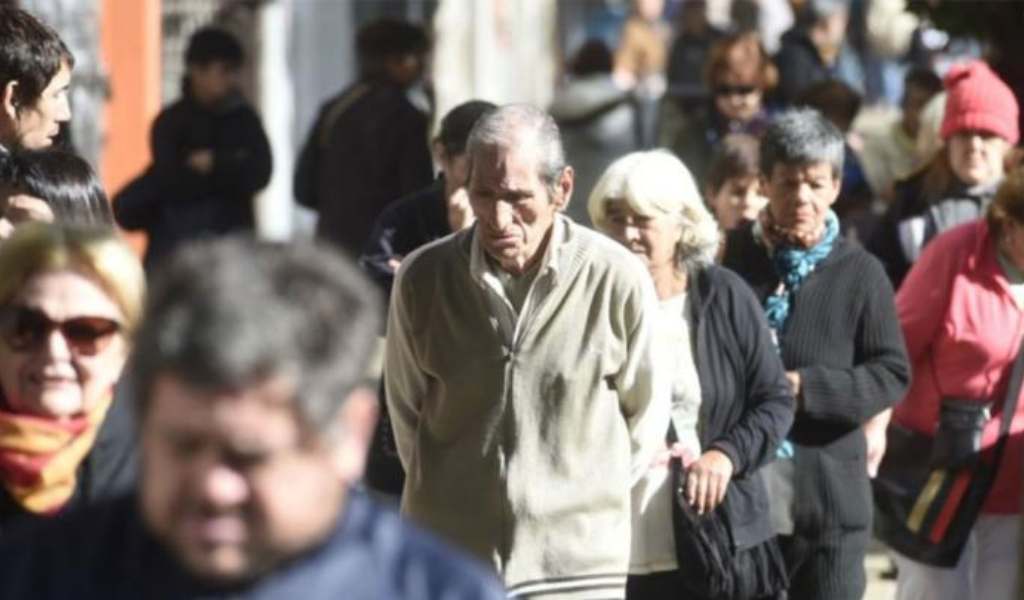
x=523, y=451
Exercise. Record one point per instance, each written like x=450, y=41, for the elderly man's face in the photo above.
x=233, y=484
x=515, y=210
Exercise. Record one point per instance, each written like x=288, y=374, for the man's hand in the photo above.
x=707, y=480
x=201, y=161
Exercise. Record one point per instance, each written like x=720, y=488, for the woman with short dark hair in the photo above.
x=53, y=186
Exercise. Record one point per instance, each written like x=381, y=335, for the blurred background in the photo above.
x=129, y=60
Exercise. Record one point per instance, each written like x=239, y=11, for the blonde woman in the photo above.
x=69, y=301
x=732, y=405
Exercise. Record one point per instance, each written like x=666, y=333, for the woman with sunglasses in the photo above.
x=738, y=73
x=69, y=300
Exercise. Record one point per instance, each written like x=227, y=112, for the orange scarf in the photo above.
x=39, y=457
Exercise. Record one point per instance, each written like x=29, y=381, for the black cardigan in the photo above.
x=746, y=404
x=844, y=339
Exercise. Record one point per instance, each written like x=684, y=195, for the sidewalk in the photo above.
x=878, y=588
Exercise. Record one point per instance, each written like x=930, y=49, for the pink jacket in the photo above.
x=963, y=329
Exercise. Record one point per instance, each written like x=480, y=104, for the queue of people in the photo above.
x=687, y=395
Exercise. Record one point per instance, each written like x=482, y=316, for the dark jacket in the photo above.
x=106, y=553
x=800, y=66
x=685, y=72
x=843, y=338
x=367, y=148
x=173, y=203
x=695, y=136
x=404, y=226
x=914, y=219
x=107, y=471
x=746, y=404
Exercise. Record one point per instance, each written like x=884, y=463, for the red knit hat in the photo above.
x=978, y=100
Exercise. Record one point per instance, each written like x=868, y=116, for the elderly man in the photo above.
x=831, y=307
x=253, y=428
x=35, y=71
x=519, y=374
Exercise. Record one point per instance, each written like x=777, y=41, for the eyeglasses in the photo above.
x=24, y=329
x=735, y=90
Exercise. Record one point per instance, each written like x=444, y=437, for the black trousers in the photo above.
x=828, y=567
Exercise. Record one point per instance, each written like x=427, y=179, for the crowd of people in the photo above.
x=672, y=373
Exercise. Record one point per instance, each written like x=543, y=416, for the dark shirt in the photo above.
x=703, y=132
x=913, y=219
x=367, y=149
x=173, y=203
x=106, y=552
x=404, y=226
x=800, y=66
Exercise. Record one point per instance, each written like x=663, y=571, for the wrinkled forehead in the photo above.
x=515, y=164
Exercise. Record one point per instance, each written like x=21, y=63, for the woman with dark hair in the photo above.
x=739, y=74
x=733, y=183
x=51, y=185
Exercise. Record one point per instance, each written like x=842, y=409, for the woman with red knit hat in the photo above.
x=979, y=129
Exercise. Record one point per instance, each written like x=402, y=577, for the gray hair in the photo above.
x=655, y=184
x=800, y=137
x=508, y=125
x=231, y=313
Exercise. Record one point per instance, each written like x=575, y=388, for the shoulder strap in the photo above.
x=337, y=109
x=1012, y=392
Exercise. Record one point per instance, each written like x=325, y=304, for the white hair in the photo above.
x=506, y=125
x=654, y=184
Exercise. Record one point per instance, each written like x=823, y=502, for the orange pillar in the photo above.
x=130, y=46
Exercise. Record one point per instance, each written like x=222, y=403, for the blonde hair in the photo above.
x=654, y=184
x=97, y=253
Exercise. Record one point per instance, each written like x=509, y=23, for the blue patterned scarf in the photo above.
x=793, y=264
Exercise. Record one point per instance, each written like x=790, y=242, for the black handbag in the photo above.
x=710, y=566
x=929, y=490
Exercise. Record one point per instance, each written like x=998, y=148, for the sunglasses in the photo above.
x=24, y=329
x=735, y=90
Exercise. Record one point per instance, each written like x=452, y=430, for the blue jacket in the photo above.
x=105, y=552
